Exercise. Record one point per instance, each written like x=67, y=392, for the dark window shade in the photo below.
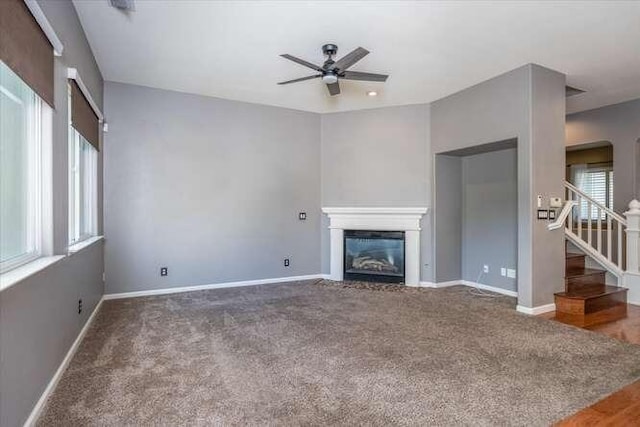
x=25, y=48
x=83, y=119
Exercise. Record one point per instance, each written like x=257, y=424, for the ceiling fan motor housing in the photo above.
x=330, y=49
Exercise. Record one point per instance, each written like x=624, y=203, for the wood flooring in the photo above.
x=622, y=408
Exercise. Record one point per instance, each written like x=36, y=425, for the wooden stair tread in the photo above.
x=569, y=255
x=578, y=272
x=590, y=293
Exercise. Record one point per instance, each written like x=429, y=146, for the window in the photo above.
x=597, y=183
x=83, y=172
x=20, y=170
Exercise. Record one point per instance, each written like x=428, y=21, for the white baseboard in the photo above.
x=534, y=311
x=506, y=292
x=39, y=406
x=441, y=284
x=181, y=289
x=471, y=284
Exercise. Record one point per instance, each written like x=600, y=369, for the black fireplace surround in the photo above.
x=374, y=256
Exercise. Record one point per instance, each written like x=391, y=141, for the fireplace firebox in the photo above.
x=374, y=256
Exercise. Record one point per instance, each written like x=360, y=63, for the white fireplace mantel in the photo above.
x=385, y=219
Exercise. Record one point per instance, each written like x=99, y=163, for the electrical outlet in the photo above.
x=485, y=268
x=286, y=262
x=511, y=273
x=302, y=216
x=503, y=271
x=80, y=306
x=164, y=271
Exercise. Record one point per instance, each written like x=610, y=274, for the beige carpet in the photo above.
x=323, y=354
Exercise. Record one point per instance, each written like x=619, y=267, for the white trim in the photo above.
x=425, y=284
x=376, y=211
x=632, y=282
x=442, y=284
x=72, y=73
x=472, y=285
x=45, y=25
x=181, y=289
x=77, y=247
x=39, y=406
x=392, y=219
x=489, y=288
x=19, y=274
x=406, y=219
x=534, y=311
x=566, y=211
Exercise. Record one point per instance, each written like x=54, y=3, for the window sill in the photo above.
x=19, y=274
x=77, y=247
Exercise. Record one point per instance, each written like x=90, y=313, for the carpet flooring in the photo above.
x=327, y=354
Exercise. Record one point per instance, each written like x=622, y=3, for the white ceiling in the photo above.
x=230, y=49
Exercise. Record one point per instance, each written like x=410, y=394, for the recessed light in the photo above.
x=372, y=93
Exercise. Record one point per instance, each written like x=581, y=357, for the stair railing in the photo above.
x=596, y=229
x=564, y=214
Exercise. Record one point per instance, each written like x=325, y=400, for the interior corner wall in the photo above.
x=378, y=158
x=490, y=217
x=527, y=104
x=448, y=218
x=620, y=125
x=39, y=318
x=209, y=188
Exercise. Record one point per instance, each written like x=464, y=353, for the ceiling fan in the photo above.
x=332, y=71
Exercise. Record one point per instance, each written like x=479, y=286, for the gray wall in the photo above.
x=207, y=187
x=39, y=322
x=490, y=217
x=378, y=158
x=38, y=316
x=448, y=211
x=527, y=104
x=620, y=125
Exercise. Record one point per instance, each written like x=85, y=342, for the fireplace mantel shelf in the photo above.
x=387, y=219
x=377, y=210
x=405, y=219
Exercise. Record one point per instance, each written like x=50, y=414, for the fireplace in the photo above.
x=405, y=220
x=375, y=256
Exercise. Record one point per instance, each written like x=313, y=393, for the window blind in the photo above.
x=83, y=119
x=598, y=184
x=26, y=49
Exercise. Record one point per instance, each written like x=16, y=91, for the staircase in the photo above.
x=598, y=232
x=587, y=300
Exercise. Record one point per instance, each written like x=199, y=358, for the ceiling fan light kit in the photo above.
x=329, y=78
x=332, y=71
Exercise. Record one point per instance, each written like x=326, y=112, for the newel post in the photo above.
x=633, y=237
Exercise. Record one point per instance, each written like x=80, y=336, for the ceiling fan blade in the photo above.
x=369, y=77
x=350, y=58
x=301, y=62
x=301, y=79
x=334, y=88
